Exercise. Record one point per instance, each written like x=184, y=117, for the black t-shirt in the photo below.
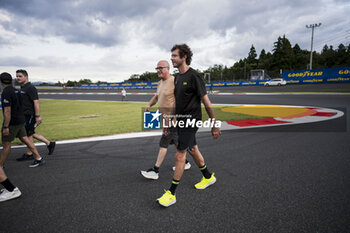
x=10, y=97
x=29, y=94
x=189, y=88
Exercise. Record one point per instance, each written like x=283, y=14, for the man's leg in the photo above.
x=208, y=178
x=28, y=155
x=153, y=173
x=50, y=144
x=5, y=152
x=180, y=160
x=197, y=156
x=3, y=176
x=161, y=155
x=31, y=146
x=10, y=191
x=30, y=138
x=38, y=159
x=30, y=131
x=168, y=197
x=41, y=138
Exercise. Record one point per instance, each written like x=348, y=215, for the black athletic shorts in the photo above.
x=30, y=124
x=186, y=138
x=171, y=138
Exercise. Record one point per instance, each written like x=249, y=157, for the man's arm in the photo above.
x=7, y=119
x=152, y=102
x=214, y=131
x=37, y=112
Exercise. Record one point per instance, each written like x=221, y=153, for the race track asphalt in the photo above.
x=279, y=180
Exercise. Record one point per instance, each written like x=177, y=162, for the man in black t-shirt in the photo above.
x=12, y=126
x=31, y=109
x=189, y=92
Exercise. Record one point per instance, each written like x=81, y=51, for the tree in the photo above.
x=348, y=55
x=134, y=78
x=251, y=59
x=149, y=76
x=262, y=54
x=325, y=49
x=342, y=55
x=300, y=58
x=329, y=57
x=85, y=81
x=282, y=54
x=71, y=83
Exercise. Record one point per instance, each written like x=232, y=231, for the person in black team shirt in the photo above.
x=31, y=108
x=12, y=126
x=189, y=92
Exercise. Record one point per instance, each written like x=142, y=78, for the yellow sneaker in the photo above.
x=204, y=183
x=167, y=199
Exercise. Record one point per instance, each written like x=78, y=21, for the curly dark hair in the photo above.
x=184, y=50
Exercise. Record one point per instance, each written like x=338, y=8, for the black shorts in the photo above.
x=171, y=138
x=30, y=124
x=186, y=139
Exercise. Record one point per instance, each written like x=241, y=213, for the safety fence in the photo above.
x=327, y=75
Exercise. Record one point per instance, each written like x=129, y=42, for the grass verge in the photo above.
x=69, y=119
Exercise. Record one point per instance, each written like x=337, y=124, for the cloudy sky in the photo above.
x=109, y=40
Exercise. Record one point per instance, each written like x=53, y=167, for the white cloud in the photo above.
x=110, y=40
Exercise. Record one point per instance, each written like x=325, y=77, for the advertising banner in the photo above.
x=327, y=75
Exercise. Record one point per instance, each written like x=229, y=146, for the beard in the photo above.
x=175, y=65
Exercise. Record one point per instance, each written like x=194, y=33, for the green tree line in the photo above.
x=284, y=56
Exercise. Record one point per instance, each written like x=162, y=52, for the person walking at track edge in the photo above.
x=189, y=92
x=31, y=109
x=123, y=93
x=12, y=126
x=166, y=105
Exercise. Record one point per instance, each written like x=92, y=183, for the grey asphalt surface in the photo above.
x=267, y=181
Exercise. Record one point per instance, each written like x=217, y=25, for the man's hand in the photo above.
x=215, y=132
x=38, y=121
x=166, y=131
x=6, y=131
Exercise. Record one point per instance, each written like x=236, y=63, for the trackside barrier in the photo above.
x=328, y=75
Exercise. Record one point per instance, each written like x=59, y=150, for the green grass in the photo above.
x=69, y=119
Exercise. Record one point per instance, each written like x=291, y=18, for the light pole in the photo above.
x=312, y=26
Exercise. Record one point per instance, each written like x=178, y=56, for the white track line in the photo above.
x=225, y=126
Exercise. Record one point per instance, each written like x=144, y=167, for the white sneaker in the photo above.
x=6, y=195
x=187, y=166
x=150, y=174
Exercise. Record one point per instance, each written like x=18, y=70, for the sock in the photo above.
x=156, y=169
x=8, y=185
x=205, y=172
x=173, y=186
